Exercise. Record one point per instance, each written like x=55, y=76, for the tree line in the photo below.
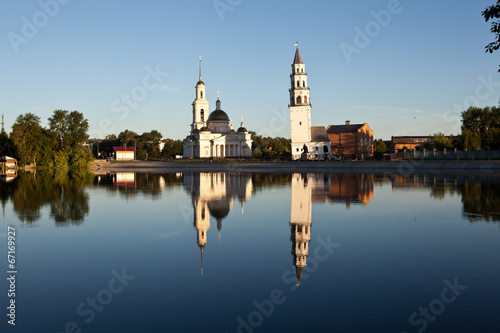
x=147, y=145
x=480, y=130
x=59, y=145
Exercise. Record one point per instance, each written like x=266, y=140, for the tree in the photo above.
x=69, y=129
x=380, y=145
x=172, y=148
x=7, y=147
x=27, y=137
x=440, y=141
x=481, y=128
x=493, y=12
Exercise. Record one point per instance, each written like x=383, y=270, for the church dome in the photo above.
x=242, y=130
x=218, y=115
x=204, y=129
x=196, y=131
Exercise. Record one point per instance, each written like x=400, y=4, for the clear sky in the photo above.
x=409, y=73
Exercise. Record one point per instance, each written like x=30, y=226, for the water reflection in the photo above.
x=213, y=194
x=63, y=193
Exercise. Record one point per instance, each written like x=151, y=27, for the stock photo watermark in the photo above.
x=223, y=6
x=371, y=30
x=31, y=26
x=420, y=319
x=88, y=309
x=265, y=309
x=123, y=105
x=11, y=273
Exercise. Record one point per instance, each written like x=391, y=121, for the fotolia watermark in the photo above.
x=103, y=298
x=31, y=27
x=426, y=315
x=223, y=6
x=265, y=308
x=123, y=105
x=363, y=37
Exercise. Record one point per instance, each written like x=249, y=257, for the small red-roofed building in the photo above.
x=124, y=153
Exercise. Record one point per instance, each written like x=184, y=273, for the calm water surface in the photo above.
x=240, y=252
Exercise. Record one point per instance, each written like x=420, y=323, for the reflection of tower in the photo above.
x=202, y=224
x=300, y=222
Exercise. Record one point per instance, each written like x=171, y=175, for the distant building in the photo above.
x=307, y=141
x=8, y=162
x=124, y=153
x=351, y=140
x=214, y=136
x=407, y=142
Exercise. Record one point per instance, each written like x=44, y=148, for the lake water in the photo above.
x=241, y=252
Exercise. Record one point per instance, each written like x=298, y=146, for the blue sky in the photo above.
x=411, y=74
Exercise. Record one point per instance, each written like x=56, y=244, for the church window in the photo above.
x=201, y=94
x=300, y=123
x=299, y=100
x=316, y=148
x=305, y=99
x=304, y=84
x=297, y=149
x=298, y=84
x=202, y=114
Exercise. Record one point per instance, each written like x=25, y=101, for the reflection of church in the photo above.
x=213, y=195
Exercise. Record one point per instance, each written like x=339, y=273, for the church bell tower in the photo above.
x=200, y=106
x=300, y=105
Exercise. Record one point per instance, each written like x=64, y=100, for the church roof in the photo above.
x=218, y=115
x=298, y=58
x=318, y=134
x=336, y=129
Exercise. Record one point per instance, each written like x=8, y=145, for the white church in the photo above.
x=310, y=142
x=214, y=136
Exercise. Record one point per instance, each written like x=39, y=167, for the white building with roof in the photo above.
x=311, y=140
x=214, y=136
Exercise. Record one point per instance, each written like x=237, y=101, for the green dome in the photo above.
x=218, y=115
x=204, y=129
x=242, y=130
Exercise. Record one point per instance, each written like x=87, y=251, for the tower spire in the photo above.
x=3, y=130
x=200, y=68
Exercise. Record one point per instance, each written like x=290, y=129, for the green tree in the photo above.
x=7, y=147
x=493, y=12
x=440, y=141
x=379, y=145
x=69, y=129
x=80, y=158
x=27, y=137
x=172, y=148
x=480, y=128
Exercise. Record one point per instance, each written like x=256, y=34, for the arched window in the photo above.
x=298, y=84
x=302, y=70
x=299, y=100
x=305, y=99
x=304, y=84
x=201, y=94
x=202, y=114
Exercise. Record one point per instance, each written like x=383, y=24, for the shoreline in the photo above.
x=406, y=166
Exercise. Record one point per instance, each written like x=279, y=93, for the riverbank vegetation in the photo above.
x=58, y=146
